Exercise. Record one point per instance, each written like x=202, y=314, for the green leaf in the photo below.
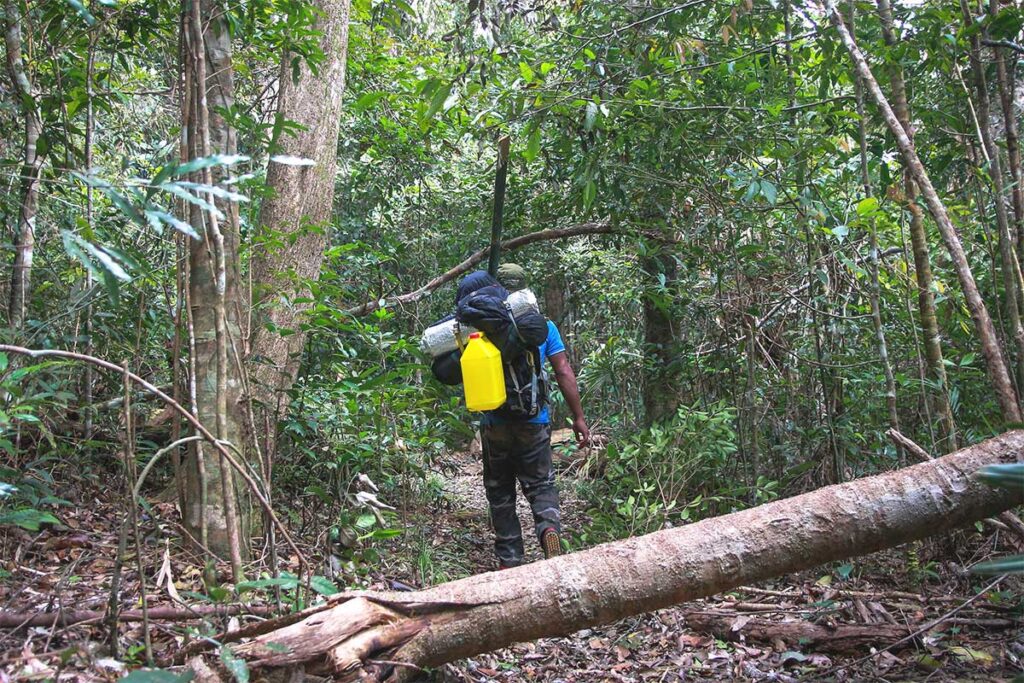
x=968, y=654
x=323, y=585
x=532, y=145
x=526, y=72
x=157, y=676
x=437, y=101
x=366, y=521
x=752, y=189
x=769, y=192
x=237, y=667
x=589, y=193
x=28, y=519
x=367, y=100
x=281, y=582
x=867, y=207
x=279, y=648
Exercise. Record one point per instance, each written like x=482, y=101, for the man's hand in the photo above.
x=582, y=432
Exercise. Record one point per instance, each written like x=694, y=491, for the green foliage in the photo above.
x=667, y=475
x=1005, y=476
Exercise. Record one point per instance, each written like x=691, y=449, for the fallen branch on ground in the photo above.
x=16, y=620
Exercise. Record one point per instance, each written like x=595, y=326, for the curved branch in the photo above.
x=1016, y=47
x=592, y=228
x=177, y=407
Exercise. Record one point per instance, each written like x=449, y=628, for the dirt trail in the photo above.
x=465, y=490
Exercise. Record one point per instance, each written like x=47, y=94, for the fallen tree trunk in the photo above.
x=390, y=635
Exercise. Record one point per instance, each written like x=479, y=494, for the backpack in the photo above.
x=526, y=387
x=518, y=339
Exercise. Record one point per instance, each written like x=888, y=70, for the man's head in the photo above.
x=512, y=276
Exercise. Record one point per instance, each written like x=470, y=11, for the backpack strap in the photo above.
x=515, y=326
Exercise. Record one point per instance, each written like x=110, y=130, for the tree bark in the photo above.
x=939, y=400
x=637, y=575
x=996, y=366
x=296, y=216
x=31, y=169
x=215, y=292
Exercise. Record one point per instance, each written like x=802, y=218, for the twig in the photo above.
x=908, y=444
x=156, y=456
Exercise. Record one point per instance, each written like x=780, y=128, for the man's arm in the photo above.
x=566, y=379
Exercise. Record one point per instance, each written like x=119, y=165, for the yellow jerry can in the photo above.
x=482, y=377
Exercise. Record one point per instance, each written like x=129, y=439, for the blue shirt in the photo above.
x=551, y=346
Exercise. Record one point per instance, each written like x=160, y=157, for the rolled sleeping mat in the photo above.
x=439, y=338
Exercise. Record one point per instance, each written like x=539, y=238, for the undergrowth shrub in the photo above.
x=664, y=476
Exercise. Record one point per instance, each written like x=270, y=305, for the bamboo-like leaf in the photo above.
x=178, y=191
x=207, y=162
x=1006, y=565
x=218, y=192
x=83, y=12
x=175, y=222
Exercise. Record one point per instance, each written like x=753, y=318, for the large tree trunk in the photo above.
x=1005, y=393
x=214, y=508
x=32, y=163
x=625, y=578
x=296, y=216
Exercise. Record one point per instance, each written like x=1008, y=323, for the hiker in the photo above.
x=517, y=447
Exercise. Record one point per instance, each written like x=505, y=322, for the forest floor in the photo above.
x=904, y=614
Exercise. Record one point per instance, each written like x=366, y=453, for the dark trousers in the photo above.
x=518, y=451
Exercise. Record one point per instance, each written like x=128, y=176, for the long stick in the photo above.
x=497, y=216
x=594, y=228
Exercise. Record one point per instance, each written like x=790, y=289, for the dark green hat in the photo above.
x=512, y=276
